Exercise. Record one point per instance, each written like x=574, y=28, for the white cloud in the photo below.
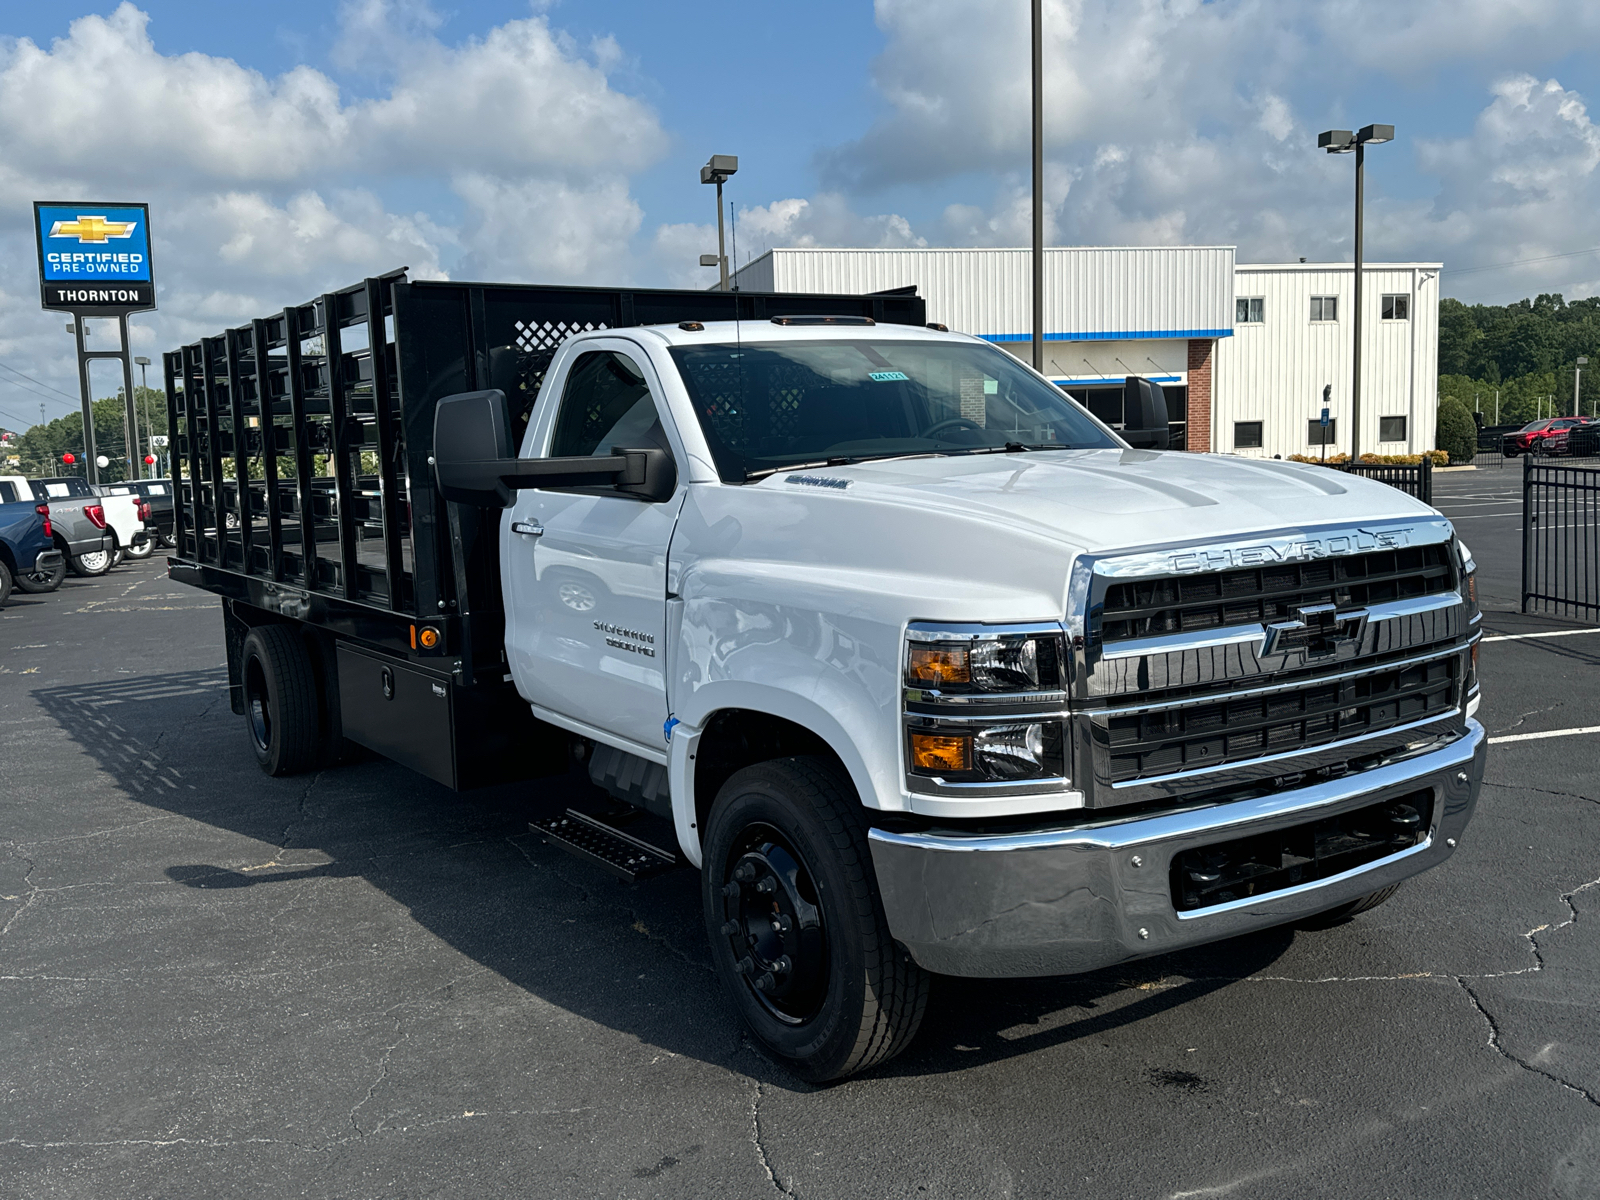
x=266, y=190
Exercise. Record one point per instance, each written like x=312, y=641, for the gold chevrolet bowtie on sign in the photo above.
x=93, y=229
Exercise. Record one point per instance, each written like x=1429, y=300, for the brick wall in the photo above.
x=1199, y=413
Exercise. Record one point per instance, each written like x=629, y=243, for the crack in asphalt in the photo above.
x=33, y=896
x=1515, y=787
x=383, y=1075
x=761, y=1150
x=1498, y=1048
x=300, y=810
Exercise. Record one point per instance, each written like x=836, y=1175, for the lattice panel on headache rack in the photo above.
x=537, y=343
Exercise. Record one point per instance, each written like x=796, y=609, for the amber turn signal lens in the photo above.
x=936, y=752
x=429, y=638
x=933, y=666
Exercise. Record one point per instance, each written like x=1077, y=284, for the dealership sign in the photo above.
x=95, y=258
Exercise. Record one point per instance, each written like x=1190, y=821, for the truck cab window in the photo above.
x=606, y=403
x=766, y=406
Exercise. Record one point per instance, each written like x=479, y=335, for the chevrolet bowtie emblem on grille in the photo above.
x=1317, y=631
x=92, y=230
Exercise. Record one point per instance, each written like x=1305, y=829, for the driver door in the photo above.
x=586, y=567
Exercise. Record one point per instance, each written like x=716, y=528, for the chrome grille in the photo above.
x=1139, y=608
x=1191, y=735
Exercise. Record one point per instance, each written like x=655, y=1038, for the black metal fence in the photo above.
x=1561, y=538
x=1415, y=479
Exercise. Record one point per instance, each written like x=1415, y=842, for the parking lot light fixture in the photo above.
x=717, y=171
x=1577, y=373
x=1342, y=141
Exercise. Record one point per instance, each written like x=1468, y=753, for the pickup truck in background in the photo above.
x=925, y=668
x=156, y=513
x=123, y=512
x=27, y=550
x=78, y=524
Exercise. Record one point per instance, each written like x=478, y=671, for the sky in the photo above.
x=297, y=146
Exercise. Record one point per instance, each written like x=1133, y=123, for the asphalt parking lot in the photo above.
x=358, y=984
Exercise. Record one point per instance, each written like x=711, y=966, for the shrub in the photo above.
x=1457, y=432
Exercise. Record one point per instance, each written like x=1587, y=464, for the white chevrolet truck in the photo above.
x=923, y=667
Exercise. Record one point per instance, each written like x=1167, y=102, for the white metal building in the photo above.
x=1244, y=351
x=1268, y=377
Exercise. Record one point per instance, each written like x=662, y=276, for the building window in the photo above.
x=1324, y=308
x=1249, y=310
x=1318, y=434
x=1391, y=429
x=1247, y=435
x=1397, y=308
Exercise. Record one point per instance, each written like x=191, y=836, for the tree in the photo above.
x=1457, y=432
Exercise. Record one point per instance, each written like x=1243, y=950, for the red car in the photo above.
x=1550, y=436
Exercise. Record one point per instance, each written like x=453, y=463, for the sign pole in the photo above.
x=90, y=471
x=131, y=437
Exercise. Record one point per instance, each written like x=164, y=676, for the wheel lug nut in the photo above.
x=766, y=982
x=729, y=928
x=783, y=966
x=766, y=887
x=730, y=890
x=782, y=923
x=744, y=872
x=745, y=965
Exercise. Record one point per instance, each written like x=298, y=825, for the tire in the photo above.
x=5, y=584
x=92, y=563
x=37, y=583
x=1352, y=908
x=789, y=836
x=142, y=546
x=280, y=700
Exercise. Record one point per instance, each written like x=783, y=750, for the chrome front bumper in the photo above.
x=1060, y=902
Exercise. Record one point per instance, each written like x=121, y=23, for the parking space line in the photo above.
x=1522, y=637
x=1529, y=737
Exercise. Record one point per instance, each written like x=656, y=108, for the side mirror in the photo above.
x=1145, y=424
x=472, y=447
x=474, y=463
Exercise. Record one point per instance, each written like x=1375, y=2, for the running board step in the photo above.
x=584, y=837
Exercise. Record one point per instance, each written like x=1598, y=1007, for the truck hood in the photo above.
x=1104, y=500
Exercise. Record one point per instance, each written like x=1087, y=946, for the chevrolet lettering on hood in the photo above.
x=1266, y=555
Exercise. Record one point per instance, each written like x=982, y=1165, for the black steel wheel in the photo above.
x=797, y=931
x=280, y=700
x=37, y=583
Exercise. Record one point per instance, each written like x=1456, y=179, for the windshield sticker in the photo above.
x=890, y=377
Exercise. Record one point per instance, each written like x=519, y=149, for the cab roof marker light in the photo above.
x=822, y=320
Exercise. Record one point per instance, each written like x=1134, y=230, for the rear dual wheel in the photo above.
x=798, y=935
x=281, y=711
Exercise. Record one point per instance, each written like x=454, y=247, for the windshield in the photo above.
x=767, y=406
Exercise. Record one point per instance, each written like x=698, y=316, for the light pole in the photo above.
x=1038, y=185
x=1342, y=141
x=1577, y=373
x=717, y=171
x=144, y=386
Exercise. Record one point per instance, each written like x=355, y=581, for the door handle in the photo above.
x=528, y=528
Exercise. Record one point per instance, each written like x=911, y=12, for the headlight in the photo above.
x=1003, y=752
x=985, y=662
x=985, y=709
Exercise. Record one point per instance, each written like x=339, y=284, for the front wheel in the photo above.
x=797, y=930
